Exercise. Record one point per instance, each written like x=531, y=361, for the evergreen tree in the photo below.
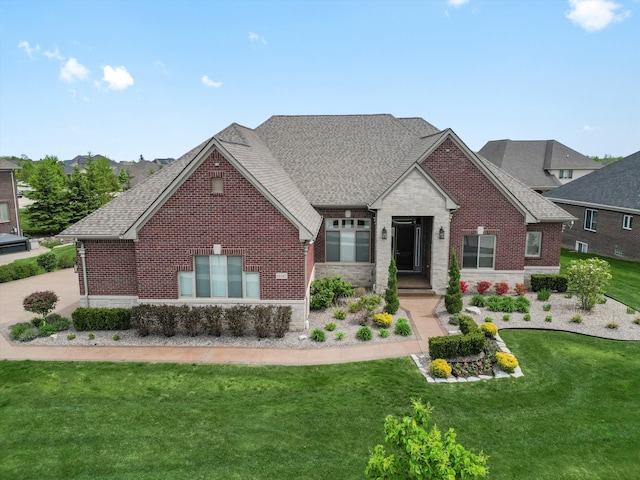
x=453, y=298
x=81, y=201
x=49, y=213
x=102, y=180
x=124, y=179
x=391, y=294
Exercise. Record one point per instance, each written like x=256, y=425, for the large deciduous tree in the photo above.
x=102, y=180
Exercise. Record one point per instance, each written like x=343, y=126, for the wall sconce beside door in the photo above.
x=384, y=233
x=441, y=234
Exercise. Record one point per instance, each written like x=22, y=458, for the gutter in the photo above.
x=83, y=260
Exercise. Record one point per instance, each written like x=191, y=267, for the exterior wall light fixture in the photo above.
x=384, y=233
x=441, y=234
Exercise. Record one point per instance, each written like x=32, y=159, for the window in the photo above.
x=566, y=174
x=582, y=247
x=4, y=212
x=534, y=242
x=627, y=222
x=590, y=219
x=219, y=276
x=478, y=251
x=348, y=240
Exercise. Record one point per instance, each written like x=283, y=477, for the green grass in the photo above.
x=68, y=252
x=626, y=276
x=572, y=416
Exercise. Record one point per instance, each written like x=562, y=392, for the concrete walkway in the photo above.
x=65, y=284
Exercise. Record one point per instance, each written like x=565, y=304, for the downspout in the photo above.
x=83, y=261
x=306, y=306
x=16, y=207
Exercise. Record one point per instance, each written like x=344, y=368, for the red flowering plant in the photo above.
x=501, y=288
x=463, y=286
x=520, y=289
x=483, y=286
x=40, y=302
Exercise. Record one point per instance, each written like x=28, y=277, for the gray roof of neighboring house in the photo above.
x=304, y=161
x=7, y=165
x=616, y=185
x=531, y=160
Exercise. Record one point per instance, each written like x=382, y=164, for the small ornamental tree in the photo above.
x=40, y=302
x=588, y=279
x=391, y=293
x=419, y=453
x=453, y=298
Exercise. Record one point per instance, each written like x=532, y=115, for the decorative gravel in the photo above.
x=594, y=323
x=317, y=319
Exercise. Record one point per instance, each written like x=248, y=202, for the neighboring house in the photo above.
x=607, y=205
x=254, y=215
x=11, y=239
x=81, y=162
x=540, y=164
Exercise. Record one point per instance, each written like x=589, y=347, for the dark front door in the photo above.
x=405, y=238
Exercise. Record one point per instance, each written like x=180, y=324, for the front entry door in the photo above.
x=405, y=246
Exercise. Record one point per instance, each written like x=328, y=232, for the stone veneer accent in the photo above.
x=358, y=274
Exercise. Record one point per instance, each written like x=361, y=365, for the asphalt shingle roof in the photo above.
x=6, y=165
x=530, y=160
x=616, y=185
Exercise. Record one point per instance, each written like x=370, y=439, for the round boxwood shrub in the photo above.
x=364, y=334
x=318, y=335
x=506, y=361
x=439, y=368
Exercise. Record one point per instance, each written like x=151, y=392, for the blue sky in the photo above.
x=155, y=78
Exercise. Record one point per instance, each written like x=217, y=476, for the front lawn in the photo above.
x=28, y=267
x=573, y=415
x=624, y=285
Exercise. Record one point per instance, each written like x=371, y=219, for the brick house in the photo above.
x=607, y=206
x=254, y=215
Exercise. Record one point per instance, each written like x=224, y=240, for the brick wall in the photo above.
x=609, y=234
x=241, y=220
x=551, y=241
x=481, y=204
x=111, y=267
x=7, y=195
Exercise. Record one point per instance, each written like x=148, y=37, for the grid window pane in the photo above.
x=485, y=256
x=185, y=284
x=4, y=212
x=348, y=246
x=470, y=251
x=234, y=273
x=333, y=246
x=252, y=284
x=533, y=244
x=203, y=279
x=219, y=275
x=362, y=246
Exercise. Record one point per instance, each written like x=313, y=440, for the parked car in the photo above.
x=19, y=193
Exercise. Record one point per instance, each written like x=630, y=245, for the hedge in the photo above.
x=86, y=318
x=471, y=342
x=557, y=282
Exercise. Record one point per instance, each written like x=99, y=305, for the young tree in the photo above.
x=453, y=298
x=124, y=179
x=423, y=454
x=102, y=180
x=391, y=293
x=49, y=213
x=81, y=200
x=588, y=279
x=40, y=302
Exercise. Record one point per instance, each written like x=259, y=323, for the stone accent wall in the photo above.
x=358, y=274
x=414, y=196
x=609, y=238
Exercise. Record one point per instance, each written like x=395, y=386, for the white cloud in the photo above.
x=162, y=67
x=54, y=54
x=588, y=128
x=254, y=37
x=72, y=71
x=594, y=15
x=457, y=3
x=27, y=48
x=206, y=81
x=117, y=78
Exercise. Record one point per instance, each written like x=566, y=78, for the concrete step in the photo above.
x=416, y=292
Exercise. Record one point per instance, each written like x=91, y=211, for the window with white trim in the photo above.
x=627, y=222
x=533, y=244
x=4, y=212
x=566, y=174
x=590, y=219
x=348, y=240
x=479, y=251
x=582, y=247
x=219, y=276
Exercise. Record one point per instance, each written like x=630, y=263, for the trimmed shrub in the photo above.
x=281, y=320
x=467, y=324
x=364, y=334
x=318, y=335
x=483, y=286
x=384, y=333
x=501, y=288
x=453, y=298
x=87, y=318
x=478, y=300
x=40, y=302
x=71, y=336
x=489, y=329
x=237, y=318
x=526, y=317
x=520, y=289
x=439, y=368
x=14, y=271
x=522, y=304
x=325, y=291
x=213, y=319
x=383, y=320
x=391, y=293
x=48, y=261
x=141, y=317
x=506, y=317
x=457, y=345
x=507, y=304
x=553, y=282
x=454, y=320
x=402, y=327
x=262, y=318
x=506, y=361
x=67, y=259
x=321, y=299
x=191, y=320
x=548, y=318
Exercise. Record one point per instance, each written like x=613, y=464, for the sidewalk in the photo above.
x=7, y=258
x=65, y=284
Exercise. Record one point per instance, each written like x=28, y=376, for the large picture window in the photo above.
x=219, y=276
x=4, y=212
x=348, y=240
x=533, y=246
x=479, y=251
x=590, y=219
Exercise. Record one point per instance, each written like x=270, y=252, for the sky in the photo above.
x=157, y=77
